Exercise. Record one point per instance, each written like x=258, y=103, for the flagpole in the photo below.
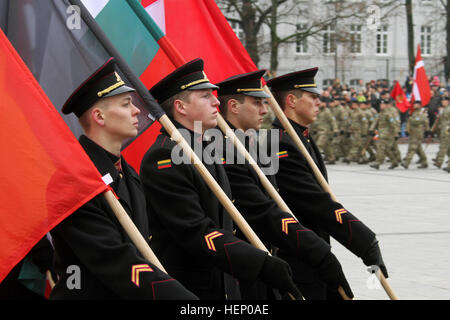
x=156, y=110
x=291, y=132
x=132, y=230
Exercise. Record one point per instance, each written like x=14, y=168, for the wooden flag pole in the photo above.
x=131, y=230
x=386, y=286
x=213, y=185
x=263, y=179
x=291, y=132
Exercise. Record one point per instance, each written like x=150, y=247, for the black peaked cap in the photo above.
x=248, y=83
x=303, y=80
x=189, y=76
x=104, y=82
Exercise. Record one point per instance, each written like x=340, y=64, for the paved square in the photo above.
x=409, y=210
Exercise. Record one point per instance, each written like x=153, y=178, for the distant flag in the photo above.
x=400, y=98
x=421, y=86
x=43, y=163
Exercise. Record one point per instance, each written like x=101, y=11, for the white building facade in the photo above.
x=378, y=41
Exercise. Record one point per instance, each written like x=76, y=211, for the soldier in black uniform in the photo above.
x=191, y=231
x=94, y=257
x=243, y=105
x=298, y=96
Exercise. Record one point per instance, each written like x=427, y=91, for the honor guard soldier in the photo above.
x=92, y=239
x=191, y=231
x=243, y=105
x=298, y=96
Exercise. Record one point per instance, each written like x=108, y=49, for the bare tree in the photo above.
x=410, y=28
x=285, y=14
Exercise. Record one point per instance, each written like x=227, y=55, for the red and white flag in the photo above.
x=421, y=87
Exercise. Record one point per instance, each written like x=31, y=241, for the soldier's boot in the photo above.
x=447, y=169
x=423, y=166
x=375, y=166
x=437, y=164
x=404, y=165
x=393, y=166
x=345, y=160
x=362, y=161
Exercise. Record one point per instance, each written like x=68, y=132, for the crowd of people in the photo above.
x=363, y=125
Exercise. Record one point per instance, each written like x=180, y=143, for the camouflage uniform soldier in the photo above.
x=387, y=130
x=395, y=149
x=416, y=127
x=365, y=131
x=372, y=116
x=326, y=128
x=444, y=134
x=358, y=122
x=346, y=141
x=341, y=115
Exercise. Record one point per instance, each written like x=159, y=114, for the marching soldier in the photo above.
x=326, y=128
x=341, y=114
x=191, y=231
x=372, y=117
x=298, y=96
x=443, y=125
x=358, y=122
x=92, y=239
x=387, y=130
x=242, y=104
x=395, y=149
x=417, y=126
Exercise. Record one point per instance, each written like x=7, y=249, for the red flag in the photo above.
x=46, y=175
x=186, y=30
x=399, y=96
x=198, y=29
x=421, y=86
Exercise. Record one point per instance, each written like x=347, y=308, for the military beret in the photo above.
x=104, y=82
x=189, y=76
x=248, y=83
x=303, y=79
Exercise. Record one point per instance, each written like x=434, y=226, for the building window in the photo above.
x=382, y=40
x=355, y=38
x=301, y=43
x=355, y=82
x=329, y=39
x=327, y=82
x=425, y=39
x=236, y=26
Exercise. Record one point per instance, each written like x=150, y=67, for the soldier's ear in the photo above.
x=179, y=107
x=291, y=100
x=97, y=116
x=233, y=106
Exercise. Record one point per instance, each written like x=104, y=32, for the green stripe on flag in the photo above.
x=128, y=34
